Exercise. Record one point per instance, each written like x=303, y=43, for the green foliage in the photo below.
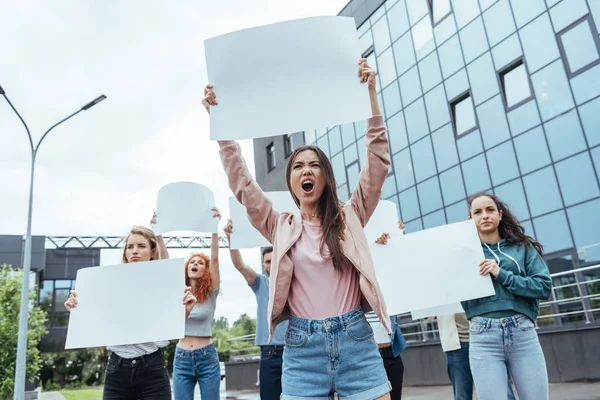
x=10, y=299
x=222, y=334
x=74, y=368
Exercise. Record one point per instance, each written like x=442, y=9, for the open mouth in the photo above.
x=308, y=186
x=194, y=269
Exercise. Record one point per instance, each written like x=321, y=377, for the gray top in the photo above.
x=201, y=318
x=261, y=291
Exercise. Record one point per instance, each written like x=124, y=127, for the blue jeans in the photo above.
x=498, y=344
x=200, y=365
x=334, y=355
x=271, y=360
x=459, y=372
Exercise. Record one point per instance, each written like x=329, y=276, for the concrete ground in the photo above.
x=564, y=391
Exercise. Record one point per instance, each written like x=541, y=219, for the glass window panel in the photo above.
x=513, y=195
x=362, y=150
x=310, y=136
x=381, y=35
x=595, y=10
x=565, y=136
x=398, y=20
x=525, y=11
x=523, y=118
x=348, y=135
x=438, y=218
x=586, y=85
x=360, y=127
x=339, y=169
x=403, y=169
x=542, y=191
x=444, y=30
x=457, y=212
x=445, y=147
x=577, y=179
x=323, y=144
x=60, y=296
x=386, y=68
x=453, y=188
x=441, y=8
x=414, y=226
x=62, y=284
x=366, y=41
x=516, y=85
x=391, y=99
x=422, y=34
x=361, y=30
x=417, y=9
x=380, y=12
x=429, y=195
x=585, y=220
x=580, y=47
x=335, y=140
x=473, y=40
x=437, y=108
x=389, y=187
x=507, y=51
x=596, y=157
x=416, y=120
x=469, y=145
x=483, y=78
x=397, y=132
x=553, y=232
x=527, y=225
x=410, y=86
x=539, y=43
x=465, y=11
x=485, y=4
x=353, y=172
x=457, y=84
x=409, y=204
x=46, y=292
x=552, y=90
x=532, y=151
x=492, y=122
x=475, y=172
x=404, y=53
x=567, y=12
x=423, y=160
x=499, y=22
x=351, y=154
x=503, y=163
x=464, y=116
x=61, y=319
x=590, y=118
x=429, y=70
x=450, y=55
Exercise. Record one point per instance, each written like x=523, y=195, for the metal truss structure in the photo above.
x=114, y=242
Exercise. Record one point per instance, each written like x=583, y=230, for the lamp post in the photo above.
x=20, y=369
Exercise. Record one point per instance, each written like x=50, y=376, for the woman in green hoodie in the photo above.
x=502, y=332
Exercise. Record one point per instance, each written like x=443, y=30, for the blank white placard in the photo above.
x=446, y=309
x=280, y=78
x=431, y=268
x=128, y=303
x=244, y=236
x=384, y=220
x=185, y=206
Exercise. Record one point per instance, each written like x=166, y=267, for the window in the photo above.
x=515, y=84
x=271, y=156
x=292, y=142
x=439, y=9
x=463, y=114
x=579, y=46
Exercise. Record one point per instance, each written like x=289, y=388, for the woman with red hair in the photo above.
x=196, y=358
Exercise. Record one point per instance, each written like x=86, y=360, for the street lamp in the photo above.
x=20, y=369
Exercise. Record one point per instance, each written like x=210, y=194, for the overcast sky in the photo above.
x=99, y=173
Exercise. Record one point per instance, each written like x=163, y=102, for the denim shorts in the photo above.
x=334, y=355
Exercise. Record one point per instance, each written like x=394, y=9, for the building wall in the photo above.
x=270, y=180
x=11, y=251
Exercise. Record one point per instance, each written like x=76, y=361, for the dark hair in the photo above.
x=268, y=249
x=330, y=209
x=509, y=228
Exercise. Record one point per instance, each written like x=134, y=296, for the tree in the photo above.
x=222, y=324
x=10, y=298
x=244, y=325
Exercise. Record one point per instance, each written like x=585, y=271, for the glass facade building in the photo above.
x=500, y=96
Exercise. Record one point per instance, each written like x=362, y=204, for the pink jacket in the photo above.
x=283, y=229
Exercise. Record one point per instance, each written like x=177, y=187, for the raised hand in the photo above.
x=153, y=220
x=217, y=213
x=402, y=226
x=189, y=300
x=71, y=301
x=228, y=229
x=383, y=239
x=209, y=99
x=366, y=74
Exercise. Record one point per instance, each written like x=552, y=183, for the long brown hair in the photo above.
x=509, y=228
x=204, y=287
x=148, y=235
x=330, y=209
